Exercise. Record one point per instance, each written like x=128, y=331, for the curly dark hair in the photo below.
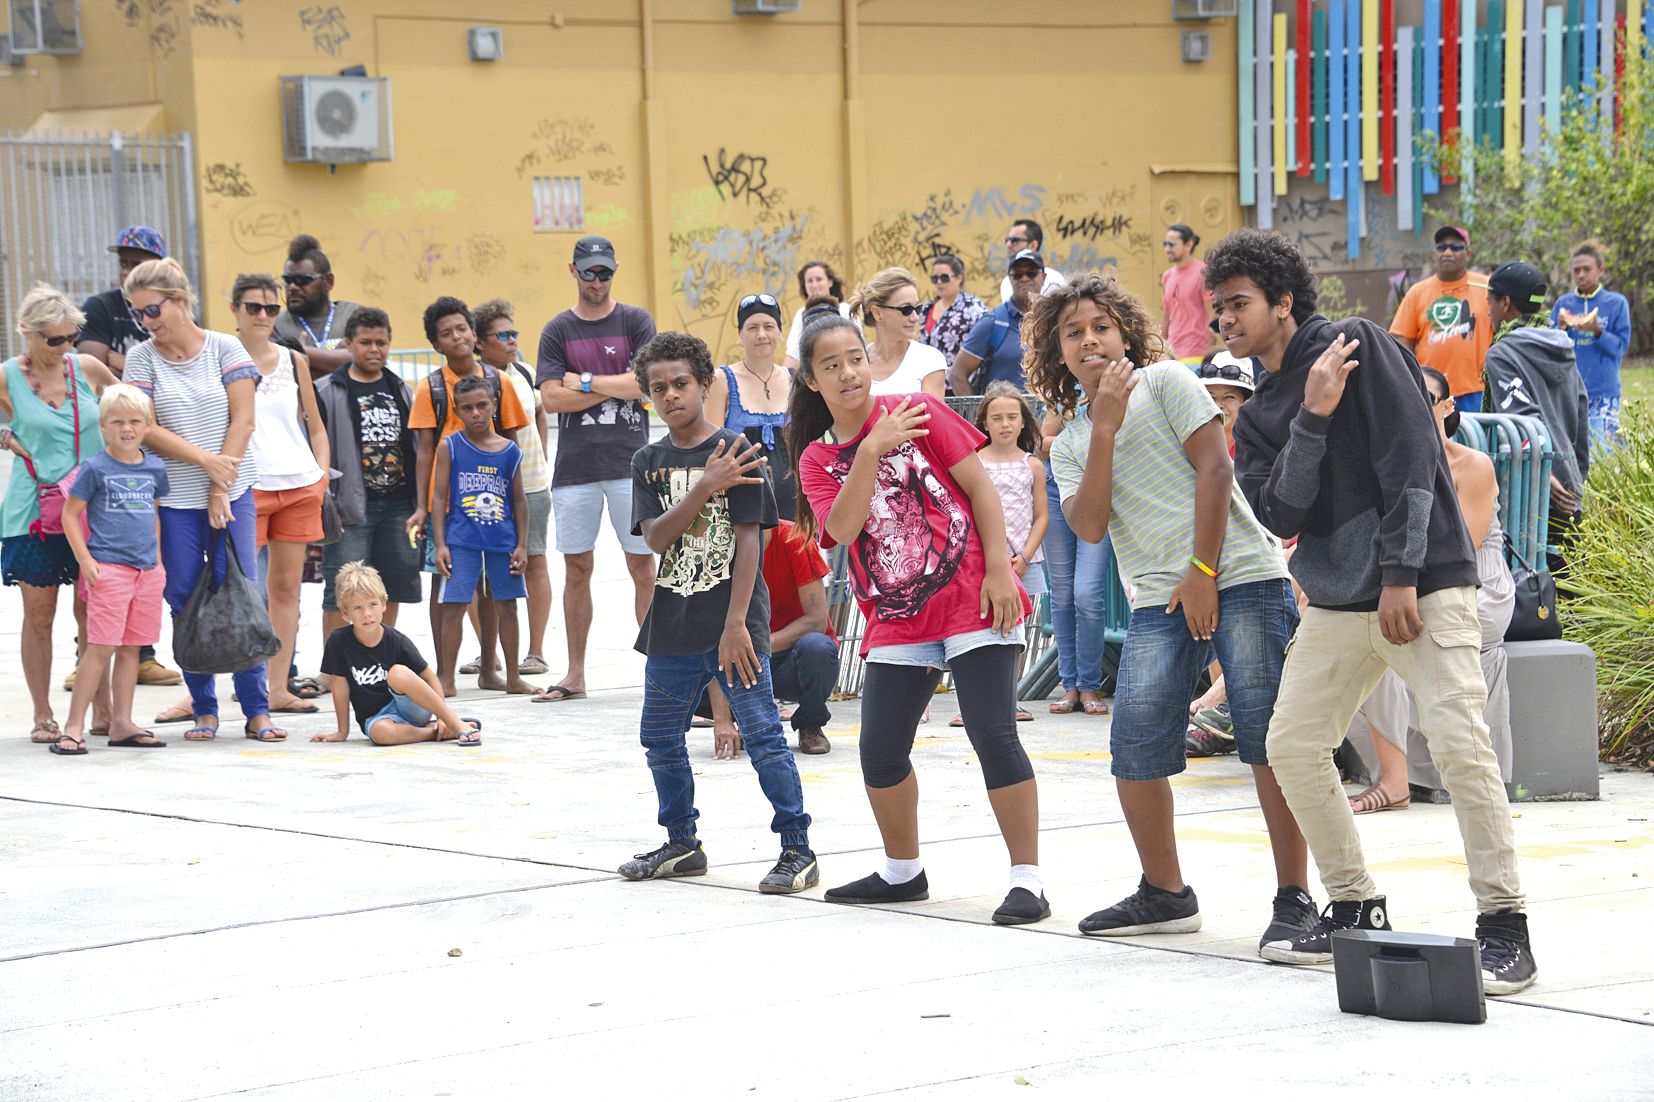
x=1270, y=261
x=304, y=247
x=674, y=346
x=446, y=306
x=367, y=317
x=1042, y=362
x=488, y=313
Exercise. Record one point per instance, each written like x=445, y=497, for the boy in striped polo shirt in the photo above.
x=1145, y=462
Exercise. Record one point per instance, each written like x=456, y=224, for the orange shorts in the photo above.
x=290, y=516
x=124, y=608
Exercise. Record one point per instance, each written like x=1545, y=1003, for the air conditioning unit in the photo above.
x=336, y=120
x=1205, y=9
x=768, y=7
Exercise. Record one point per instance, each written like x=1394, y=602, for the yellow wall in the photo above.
x=958, y=119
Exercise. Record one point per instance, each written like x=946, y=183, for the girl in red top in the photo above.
x=908, y=494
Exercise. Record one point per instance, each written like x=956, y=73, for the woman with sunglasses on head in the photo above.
x=889, y=302
x=291, y=447
x=204, y=388
x=48, y=396
x=947, y=319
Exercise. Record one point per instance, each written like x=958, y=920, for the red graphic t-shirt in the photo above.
x=917, y=567
x=790, y=563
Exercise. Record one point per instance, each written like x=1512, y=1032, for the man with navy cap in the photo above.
x=584, y=374
x=994, y=344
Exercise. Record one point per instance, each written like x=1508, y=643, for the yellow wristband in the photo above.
x=1203, y=568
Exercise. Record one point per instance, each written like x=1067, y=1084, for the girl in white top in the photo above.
x=901, y=365
x=290, y=445
x=815, y=278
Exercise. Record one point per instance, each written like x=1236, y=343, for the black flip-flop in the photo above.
x=557, y=694
x=302, y=708
x=475, y=733
x=307, y=688
x=78, y=749
x=132, y=741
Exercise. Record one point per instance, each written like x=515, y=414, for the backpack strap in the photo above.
x=996, y=337
x=439, y=398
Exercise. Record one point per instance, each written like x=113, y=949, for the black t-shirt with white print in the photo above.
x=693, y=584
x=368, y=667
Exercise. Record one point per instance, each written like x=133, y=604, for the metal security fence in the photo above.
x=65, y=197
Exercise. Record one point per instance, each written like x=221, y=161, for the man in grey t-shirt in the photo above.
x=314, y=319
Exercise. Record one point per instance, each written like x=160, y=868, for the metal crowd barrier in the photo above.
x=1522, y=455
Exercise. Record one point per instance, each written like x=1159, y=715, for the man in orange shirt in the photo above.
x=1443, y=319
x=448, y=328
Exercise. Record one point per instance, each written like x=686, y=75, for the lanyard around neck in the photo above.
x=327, y=326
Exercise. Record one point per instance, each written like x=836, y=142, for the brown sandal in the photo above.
x=1376, y=799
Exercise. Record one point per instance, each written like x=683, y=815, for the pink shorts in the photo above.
x=124, y=608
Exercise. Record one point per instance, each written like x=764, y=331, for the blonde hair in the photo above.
x=128, y=397
x=46, y=305
x=877, y=291
x=166, y=276
x=357, y=579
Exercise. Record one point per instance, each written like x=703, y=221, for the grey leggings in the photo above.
x=894, y=697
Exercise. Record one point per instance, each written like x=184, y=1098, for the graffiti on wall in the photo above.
x=739, y=175
x=327, y=26
x=227, y=180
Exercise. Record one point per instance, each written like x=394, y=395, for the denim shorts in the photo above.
x=939, y=654
x=401, y=709
x=539, y=521
x=578, y=511
x=381, y=541
x=1161, y=663
x=469, y=567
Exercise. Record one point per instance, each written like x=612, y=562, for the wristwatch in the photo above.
x=586, y=381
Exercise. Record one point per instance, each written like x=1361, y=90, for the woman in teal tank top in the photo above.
x=41, y=394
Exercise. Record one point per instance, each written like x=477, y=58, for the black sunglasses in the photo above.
x=152, y=312
x=298, y=279
x=767, y=300
x=269, y=309
x=1223, y=371
x=1451, y=246
x=906, y=311
x=941, y=278
x=1014, y=240
x=505, y=335
x=59, y=342
x=597, y=275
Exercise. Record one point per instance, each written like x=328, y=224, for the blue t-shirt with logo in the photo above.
x=120, y=508
x=480, y=495
x=996, y=340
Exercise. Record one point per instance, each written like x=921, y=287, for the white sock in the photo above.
x=898, y=871
x=1027, y=876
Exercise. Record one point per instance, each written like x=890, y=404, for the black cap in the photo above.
x=594, y=252
x=1520, y=282
x=1027, y=254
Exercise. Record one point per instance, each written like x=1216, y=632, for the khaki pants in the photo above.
x=1335, y=661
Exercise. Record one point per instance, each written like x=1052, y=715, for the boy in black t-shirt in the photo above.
x=700, y=497
x=380, y=673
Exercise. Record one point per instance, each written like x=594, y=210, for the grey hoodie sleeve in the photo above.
x=1281, y=486
x=1403, y=448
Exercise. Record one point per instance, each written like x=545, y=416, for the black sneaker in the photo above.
x=1216, y=721
x=1021, y=907
x=1294, y=913
x=1507, y=958
x=672, y=859
x=793, y=873
x=1201, y=743
x=1148, y=910
x=873, y=889
x=1314, y=945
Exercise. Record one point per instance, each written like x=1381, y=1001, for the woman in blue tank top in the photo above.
x=750, y=396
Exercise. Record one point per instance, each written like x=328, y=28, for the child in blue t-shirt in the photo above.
x=110, y=521
x=479, y=524
x=1599, y=321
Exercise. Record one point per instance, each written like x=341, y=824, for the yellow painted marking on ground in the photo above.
x=1072, y=755
x=1251, y=839
x=1195, y=780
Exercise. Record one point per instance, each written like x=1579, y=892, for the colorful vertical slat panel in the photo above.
x=1467, y=95
x=1369, y=89
x=1292, y=108
x=1555, y=46
x=1636, y=27
x=1589, y=41
x=1511, y=109
x=1335, y=99
x=1533, y=75
x=1352, y=123
x=1248, y=121
x=1451, y=62
x=1304, y=61
x=1418, y=122
x=1492, y=128
x=1571, y=37
x=1263, y=79
x=1431, y=40
x=1281, y=128
x=1405, y=197
x=1387, y=96
x=1318, y=97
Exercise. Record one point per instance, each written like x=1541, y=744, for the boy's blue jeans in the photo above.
x=672, y=685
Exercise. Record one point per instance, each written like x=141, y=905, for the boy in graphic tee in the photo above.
x=700, y=498
x=380, y=673
x=479, y=520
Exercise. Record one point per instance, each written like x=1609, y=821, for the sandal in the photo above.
x=136, y=740
x=201, y=732
x=45, y=730
x=1094, y=708
x=77, y=746
x=1064, y=706
x=306, y=688
x=957, y=721
x=557, y=694
x=533, y=664
x=178, y=713
x=472, y=667
x=267, y=733
x=1024, y=716
x=1376, y=799
x=298, y=708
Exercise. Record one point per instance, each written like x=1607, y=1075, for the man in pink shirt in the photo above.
x=1185, y=322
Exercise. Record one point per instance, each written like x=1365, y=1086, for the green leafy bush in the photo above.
x=1610, y=607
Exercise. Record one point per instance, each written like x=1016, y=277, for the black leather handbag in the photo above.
x=1535, y=615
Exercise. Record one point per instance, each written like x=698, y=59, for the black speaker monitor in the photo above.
x=1409, y=977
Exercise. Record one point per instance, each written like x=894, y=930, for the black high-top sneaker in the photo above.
x=1314, y=945
x=1507, y=958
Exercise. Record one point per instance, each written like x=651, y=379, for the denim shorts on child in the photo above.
x=937, y=655
x=1161, y=663
x=402, y=709
x=124, y=608
x=469, y=566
